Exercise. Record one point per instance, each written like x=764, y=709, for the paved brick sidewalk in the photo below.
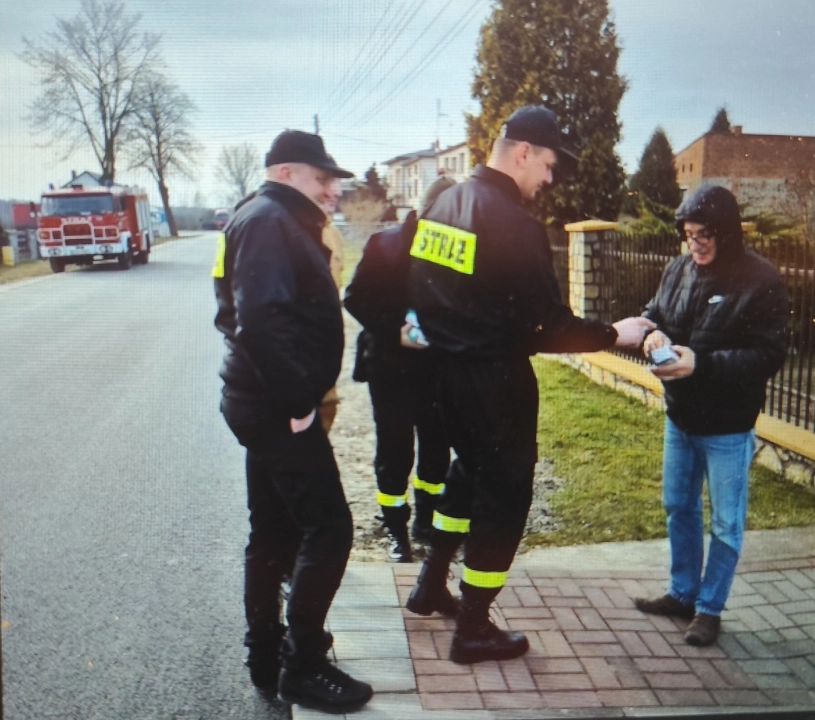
x=592, y=653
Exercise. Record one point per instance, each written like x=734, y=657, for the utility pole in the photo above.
x=316, y=124
x=439, y=116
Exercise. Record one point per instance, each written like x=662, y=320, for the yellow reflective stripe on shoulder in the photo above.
x=450, y=524
x=220, y=255
x=476, y=578
x=429, y=488
x=386, y=500
x=444, y=245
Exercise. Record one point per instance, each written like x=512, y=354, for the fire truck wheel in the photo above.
x=144, y=256
x=125, y=260
x=57, y=265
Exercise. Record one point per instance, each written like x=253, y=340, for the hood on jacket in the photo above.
x=716, y=208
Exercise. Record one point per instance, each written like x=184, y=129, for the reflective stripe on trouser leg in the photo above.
x=429, y=488
x=450, y=524
x=480, y=579
x=386, y=500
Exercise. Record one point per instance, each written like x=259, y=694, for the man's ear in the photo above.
x=522, y=150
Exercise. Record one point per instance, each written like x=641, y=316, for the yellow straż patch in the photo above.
x=445, y=245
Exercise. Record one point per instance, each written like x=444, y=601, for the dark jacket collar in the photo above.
x=305, y=212
x=500, y=180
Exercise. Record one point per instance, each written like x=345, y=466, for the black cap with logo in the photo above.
x=296, y=146
x=536, y=124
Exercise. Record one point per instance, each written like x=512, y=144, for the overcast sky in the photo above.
x=255, y=68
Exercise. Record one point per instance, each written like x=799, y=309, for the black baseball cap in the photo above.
x=301, y=147
x=536, y=124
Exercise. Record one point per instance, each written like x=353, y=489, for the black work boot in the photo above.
x=263, y=661
x=309, y=680
x=477, y=639
x=430, y=594
x=422, y=528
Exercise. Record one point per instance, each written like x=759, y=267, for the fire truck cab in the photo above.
x=79, y=225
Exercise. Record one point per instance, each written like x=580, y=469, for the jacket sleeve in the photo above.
x=264, y=285
x=763, y=344
x=377, y=293
x=556, y=329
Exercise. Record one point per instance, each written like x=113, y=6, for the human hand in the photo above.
x=655, y=340
x=631, y=331
x=681, y=368
x=408, y=339
x=299, y=424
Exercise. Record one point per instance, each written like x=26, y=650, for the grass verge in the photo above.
x=609, y=449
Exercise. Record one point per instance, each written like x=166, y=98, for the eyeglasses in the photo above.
x=703, y=237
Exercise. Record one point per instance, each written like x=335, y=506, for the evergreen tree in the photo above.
x=562, y=53
x=721, y=123
x=374, y=184
x=655, y=180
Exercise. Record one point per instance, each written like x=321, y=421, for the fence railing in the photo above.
x=630, y=270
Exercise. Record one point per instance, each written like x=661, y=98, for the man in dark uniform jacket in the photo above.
x=397, y=370
x=486, y=296
x=280, y=314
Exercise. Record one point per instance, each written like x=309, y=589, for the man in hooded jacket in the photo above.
x=723, y=309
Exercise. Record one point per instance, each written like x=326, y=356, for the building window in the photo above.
x=691, y=167
x=461, y=162
x=683, y=168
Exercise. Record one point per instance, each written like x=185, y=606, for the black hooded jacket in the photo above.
x=732, y=313
x=277, y=303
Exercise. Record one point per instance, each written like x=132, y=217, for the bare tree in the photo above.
x=160, y=140
x=239, y=168
x=91, y=68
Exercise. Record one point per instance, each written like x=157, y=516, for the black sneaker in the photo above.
x=399, y=550
x=325, y=687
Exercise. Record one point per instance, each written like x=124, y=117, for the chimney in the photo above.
x=737, y=130
x=73, y=174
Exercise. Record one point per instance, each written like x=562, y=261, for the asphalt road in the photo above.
x=122, y=518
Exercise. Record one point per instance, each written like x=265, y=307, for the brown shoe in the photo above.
x=666, y=605
x=703, y=630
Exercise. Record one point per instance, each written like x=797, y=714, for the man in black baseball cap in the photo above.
x=280, y=314
x=296, y=146
x=486, y=296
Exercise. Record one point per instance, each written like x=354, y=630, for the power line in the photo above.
x=344, y=80
x=402, y=57
x=362, y=75
x=422, y=65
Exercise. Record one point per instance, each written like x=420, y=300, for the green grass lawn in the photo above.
x=609, y=449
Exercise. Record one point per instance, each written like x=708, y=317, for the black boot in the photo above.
x=477, y=639
x=430, y=594
x=263, y=661
x=422, y=528
x=310, y=680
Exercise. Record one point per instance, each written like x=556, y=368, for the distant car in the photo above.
x=221, y=218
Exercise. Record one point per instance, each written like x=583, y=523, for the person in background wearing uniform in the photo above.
x=483, y=286
x=723, y=311
x=397, y=370
x=280, y=314
x=332, y=239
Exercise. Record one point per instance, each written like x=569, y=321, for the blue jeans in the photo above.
x=725, y=461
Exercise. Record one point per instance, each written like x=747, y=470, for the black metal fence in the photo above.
x=631, y=268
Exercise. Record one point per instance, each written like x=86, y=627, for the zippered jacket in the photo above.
x=732, y=313
x=278, y=306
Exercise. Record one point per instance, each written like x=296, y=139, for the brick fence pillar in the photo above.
x=587, y=294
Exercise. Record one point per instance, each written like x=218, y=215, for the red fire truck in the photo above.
x=78, y=225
